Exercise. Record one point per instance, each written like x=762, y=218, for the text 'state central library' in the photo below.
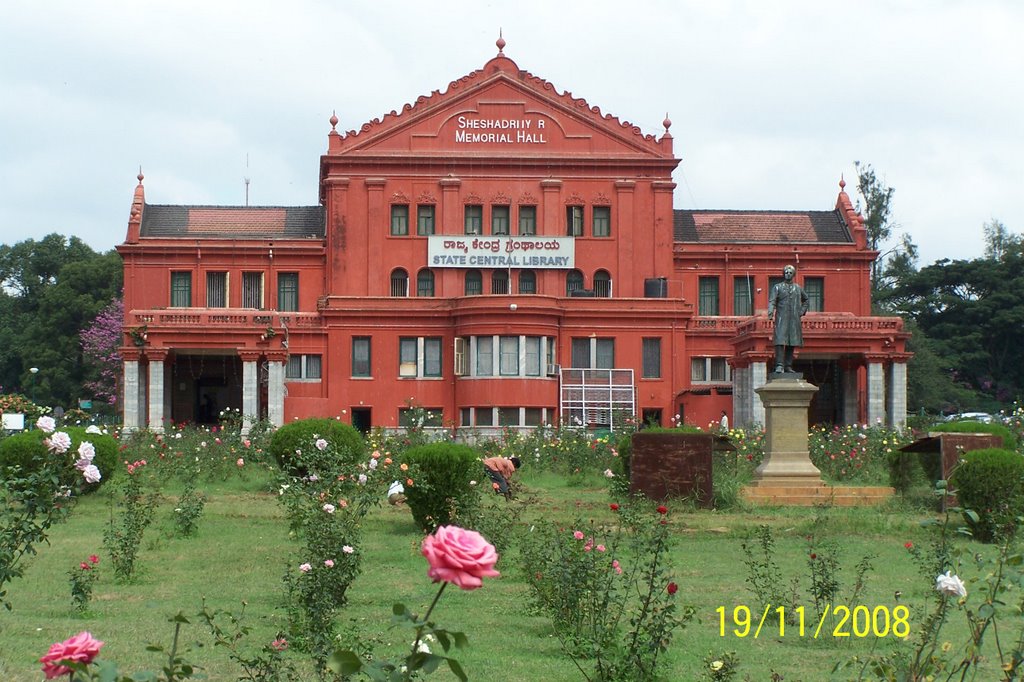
x=502, y=255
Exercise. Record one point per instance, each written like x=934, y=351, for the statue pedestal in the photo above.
x=787, y=463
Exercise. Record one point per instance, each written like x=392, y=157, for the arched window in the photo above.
x=399, y=282
x=474, y=283
x=499, y=282
x=602, y=284
x=425, y=283
x=573, y=282
x=527, y=282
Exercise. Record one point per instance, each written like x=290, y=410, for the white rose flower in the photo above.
x=950, y=585
x=91, y=474
x=46, y=424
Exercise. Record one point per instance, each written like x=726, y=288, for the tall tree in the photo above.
x=895, y=262
x=101, y=347
x=998, y=240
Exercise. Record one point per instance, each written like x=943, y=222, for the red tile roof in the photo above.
x=760, y=226
x=232, y=221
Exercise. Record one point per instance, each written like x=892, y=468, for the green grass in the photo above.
x=241, y=549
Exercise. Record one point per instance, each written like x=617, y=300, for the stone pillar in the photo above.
x=132, y=416
x=851, y=403
x=758, y=378
x=787, y=462
x=742, y=397
x=250, y=389
x=275, y=389
x=157, y=399
x=378, y=221
x=897, y=407
x=876, y=392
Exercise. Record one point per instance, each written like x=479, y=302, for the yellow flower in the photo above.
x=946, y=646
x=716, y=665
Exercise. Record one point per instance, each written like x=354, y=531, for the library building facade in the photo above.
x=497, y=255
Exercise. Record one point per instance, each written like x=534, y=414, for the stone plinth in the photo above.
x=787, y=463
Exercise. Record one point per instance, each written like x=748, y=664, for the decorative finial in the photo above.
x=140, y=176
x=667, y=122
x=842, y=183
x=334, y=120
x=500, y=43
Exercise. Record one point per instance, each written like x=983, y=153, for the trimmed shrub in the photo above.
x=990, y=483
x=441, y=491
x=1009, y=440
x=347, y=445
x=27, y=451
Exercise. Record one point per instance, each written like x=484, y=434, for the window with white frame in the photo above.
x=419, y=357
x=484, y=356
x=303, y=368
x=593, y=353
x=709, y=370
x=500, y=220
x=252, y=290
x=508, y=348
x=511, y=356
x=399, y=220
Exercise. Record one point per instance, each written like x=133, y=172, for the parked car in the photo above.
x=983, y=417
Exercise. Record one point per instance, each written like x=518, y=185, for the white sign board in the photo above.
x=13, y=421
x=519, y=253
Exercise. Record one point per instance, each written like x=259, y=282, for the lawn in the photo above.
x=243, y=549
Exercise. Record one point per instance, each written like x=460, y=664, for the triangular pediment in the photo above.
x=501, y=110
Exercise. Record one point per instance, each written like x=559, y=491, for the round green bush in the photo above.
x=990, y=483
x=27, y=451
x=347, y=444
x=966, y=426
x=441, y=489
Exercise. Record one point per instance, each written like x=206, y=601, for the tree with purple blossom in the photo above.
x=101, y=348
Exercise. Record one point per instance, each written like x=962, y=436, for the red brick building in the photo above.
x=501, y=254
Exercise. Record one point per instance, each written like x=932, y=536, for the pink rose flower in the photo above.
x=81, y=648
x=91, y=474
x=459, y=556
x=46, y=424
x=240, y=462
x=329, y=563
x=305, y=568
x=578, y=534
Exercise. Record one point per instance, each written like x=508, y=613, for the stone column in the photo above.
x=897, y=407
x=758, y=378
x=378, y=221
x=275, y=389
x=250, y=389
x=132, y=416
x=787, y=462
x=157, y=399
x=876, y=392
x=742, y=396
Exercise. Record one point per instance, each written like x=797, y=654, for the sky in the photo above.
x=771, y=103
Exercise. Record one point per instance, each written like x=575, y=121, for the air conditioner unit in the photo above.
x=553, y=370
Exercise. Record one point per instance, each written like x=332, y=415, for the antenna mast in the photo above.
x=246, y=178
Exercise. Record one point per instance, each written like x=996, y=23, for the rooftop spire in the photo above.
x=842, y=183
x=500, y=42
x=140, y=176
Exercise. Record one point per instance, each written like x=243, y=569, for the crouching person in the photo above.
x=500, y=471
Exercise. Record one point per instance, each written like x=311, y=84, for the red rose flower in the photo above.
x=909, y=545
x=672, y=588
x=613, y=506
x=93, y=559
x=663, y=509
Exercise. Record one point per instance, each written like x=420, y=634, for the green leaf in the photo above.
x=399, y=610
x=456, y=669
x=430, y=663
x=972, y=515
x=442, y=637
x=461, y=641
x=986, y=611
x=344, y=663
x=1015, y=560
x=107, y=671
x=180, y=618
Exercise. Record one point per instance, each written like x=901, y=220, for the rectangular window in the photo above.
x=181, y=289
x=581, y=353
x=303, y=367
x=252, y=290
x=415, y=417
x=708, y=296
x=288, y=291
x=474, y=219
x=500, y=220
x=574, y=221
x=652, y=358
x=466, y=416
x=399, y=220
x=704, y=370
x=743, y=296
x=484, y=416
x=484, y=356
x=532, y=416
x=527, y=220
x=533, y=368
x=216, y=290
x=508, y=416
x=408, y=354
x=814, y=287
x=425, y=219
x=509, y=360
x=605, y=353
x=602, y=221
x=361, y=356
x=432, y=357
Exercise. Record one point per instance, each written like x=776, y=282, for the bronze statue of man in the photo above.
x=787, y=303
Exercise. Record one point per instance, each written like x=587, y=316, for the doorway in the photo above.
x=361, y=419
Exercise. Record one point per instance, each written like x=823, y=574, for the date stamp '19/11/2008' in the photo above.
x=858, y=621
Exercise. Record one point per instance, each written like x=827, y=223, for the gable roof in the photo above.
x=760, y=226
x=229, y=222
